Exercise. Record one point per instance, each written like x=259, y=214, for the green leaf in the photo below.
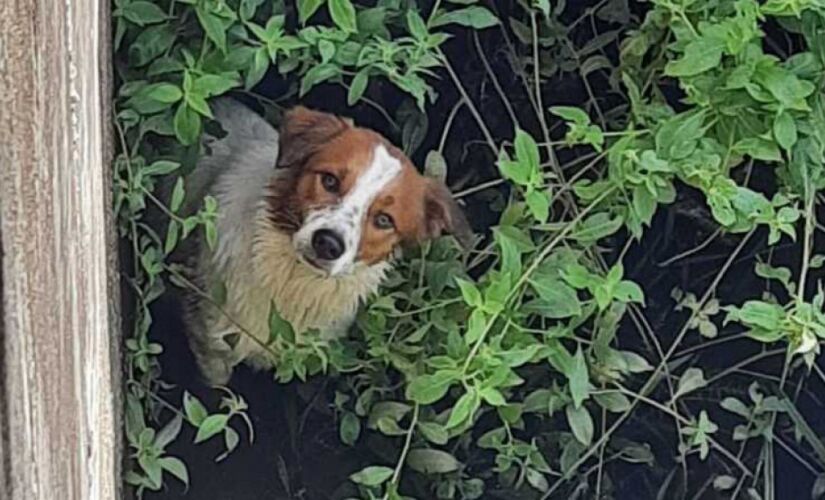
x=558, y=300
x=318, y=74
x=433, y=432
x=678, y=137
x=691, y=380
x=142, y=13
x=470, y=292
x=613, y=401
x=214, y=85
x=435, y=166
x=175, y=467
x=427, y=389
x=784, y=129
x=416, y=25
x=762, y=314
x=464, y=408
x=628, y=291
x=596, y=227
x=169, y=432
x=194, y=409
x=230, y=440
x=702, y=54
x=172, y=236
x=178, y=195
x=260, y=63
x=358, y=86
x=187, y=125
x=493, y=397
x=373, y=475
x=539, y=204
x=212, y=26
x=428, y=461
x=164, y=92
x=579, y=378
x=211, y=425
x=581, y=423
x=350, y=428
x=758, y=149
x=279, y=327
x=160, y=167
x=343, y=14
x=527, y=152
x=473, y=17
x=306, y=8
x=571, y=114
x=475, y=326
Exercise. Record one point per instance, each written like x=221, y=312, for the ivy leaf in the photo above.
x=164, y=92
x=257, y=70
x=581, y=423
x=784, y=129
x=428, y=461
x=178, y=194
x=306, y=8
x=472, y=17
x=702, y=54
x=678, y=137
x=758, y=149
x=194, y=409
x=143, y=13
x=558, y=300
x=427, y=389
x=692, y=379
x=187, y=124
x=433, y=432
x=211, y=425
x=579, y=379
x=464, y=408
x=350, y=428
x=212, y=26
x=416, y=25
x=435, y=166
x=176, y=467
x=169, y=432
x=343, y=14
x=539, y=204
x=613, y=401
x=316, y=75
x=373, y=475
x=358, y=86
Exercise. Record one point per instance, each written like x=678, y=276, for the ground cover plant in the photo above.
x=642, y=315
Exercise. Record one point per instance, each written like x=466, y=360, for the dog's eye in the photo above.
x=383, y=221
x=330, y=182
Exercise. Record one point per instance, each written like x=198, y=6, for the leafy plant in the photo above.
x=512, y=370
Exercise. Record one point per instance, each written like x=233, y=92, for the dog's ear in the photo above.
x=303, y=132
x=442, y=215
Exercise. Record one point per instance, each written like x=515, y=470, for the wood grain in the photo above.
x=59, y=393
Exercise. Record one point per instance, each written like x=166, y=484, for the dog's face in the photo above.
x=350, y=197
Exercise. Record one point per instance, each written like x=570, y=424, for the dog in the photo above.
x=309, y=220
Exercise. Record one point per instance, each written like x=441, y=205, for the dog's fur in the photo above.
x=271, y=202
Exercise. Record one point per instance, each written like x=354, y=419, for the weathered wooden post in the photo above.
x=59, y=329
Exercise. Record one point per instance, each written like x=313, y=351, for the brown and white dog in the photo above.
x=308, y=220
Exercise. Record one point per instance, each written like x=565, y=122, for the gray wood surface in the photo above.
x=60, y=390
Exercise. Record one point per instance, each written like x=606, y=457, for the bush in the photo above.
x=586, y=131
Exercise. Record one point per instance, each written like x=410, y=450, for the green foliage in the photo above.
x=508, y=369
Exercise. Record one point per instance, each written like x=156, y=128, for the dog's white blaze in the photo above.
x=347, y=217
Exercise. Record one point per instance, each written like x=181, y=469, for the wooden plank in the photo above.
x=60, y=387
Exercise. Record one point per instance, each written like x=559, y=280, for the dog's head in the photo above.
x=348, y=196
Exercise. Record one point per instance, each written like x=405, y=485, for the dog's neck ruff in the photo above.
x=304, y=296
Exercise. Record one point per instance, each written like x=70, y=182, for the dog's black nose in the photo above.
x=327, y=244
